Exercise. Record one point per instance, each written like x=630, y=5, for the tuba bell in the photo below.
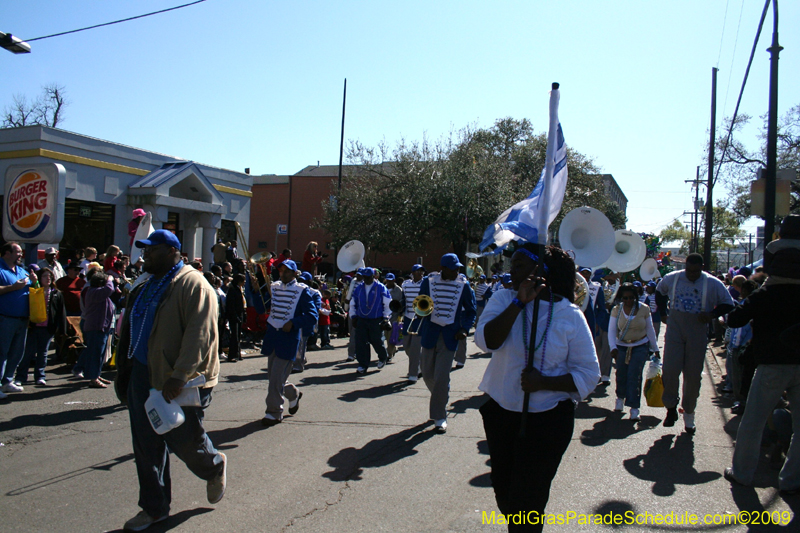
x=581, y=292
x=628, y=253
x=649, y=269
x=351, y=256
x=589, y=234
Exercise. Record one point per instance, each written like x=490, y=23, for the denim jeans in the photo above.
x=91, y=360
x=13, y=332
x=325, y=334
x=36, y=347
x=629, y=376
x=151, y=450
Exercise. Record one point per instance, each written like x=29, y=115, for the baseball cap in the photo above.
x=482, y=276
x=451, y=261
x=138, y=213
x=585, y=269
x=389, y=277
x=160, y=236
x=367, y=272
x=637, y=283
x=50, y=250
x=506, y=278
x=291, y=265
x=417, y=267
x=306, y=276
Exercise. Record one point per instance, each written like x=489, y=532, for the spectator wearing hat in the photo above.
x=14, y=314
x=71, y=286
x=50, y=261
x=292, y=311
x=453, y=315
x=370, y=312
x=411, y=343
x=133, y=225
x=788, y=246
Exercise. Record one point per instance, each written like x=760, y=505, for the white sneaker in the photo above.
x=3, y=395
x=688, y=420
x=380, y=365
x=605, y=380
x=620, y=405
x=12, y=387
x=41, y=382
x=459, y=365
x=412, y=379
x=440, y=425
x=634, y=414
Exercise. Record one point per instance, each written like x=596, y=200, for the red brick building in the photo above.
x=296, y=201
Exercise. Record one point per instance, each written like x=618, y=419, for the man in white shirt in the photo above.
x=50, y=262
x=411, y=343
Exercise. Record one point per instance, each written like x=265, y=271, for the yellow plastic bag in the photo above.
x=37, y=305
x=653, y=389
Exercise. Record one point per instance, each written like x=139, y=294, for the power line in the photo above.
x=741, y=92
x=722, y=37
x=733, y=56
x=114, y=22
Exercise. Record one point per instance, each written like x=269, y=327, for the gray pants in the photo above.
x=603, y=353
x=478, y=313
x=436, y=364
x=769, y=383
x=461, y=352
x=412, y=346
x=684, y=352
x=279, y=371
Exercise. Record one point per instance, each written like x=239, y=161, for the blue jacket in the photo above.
x=601, y=314
x=465, y=317
x=285, y=344
x=361, y=299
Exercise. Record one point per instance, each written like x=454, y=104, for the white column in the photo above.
x=210, y=224
x=188, y=244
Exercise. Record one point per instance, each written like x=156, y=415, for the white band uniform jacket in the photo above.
x=570, y=350
x=294, y=303
x=443, y=303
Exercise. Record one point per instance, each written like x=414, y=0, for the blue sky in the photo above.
x=258, y=84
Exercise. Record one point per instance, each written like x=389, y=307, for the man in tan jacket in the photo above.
x=169, y=337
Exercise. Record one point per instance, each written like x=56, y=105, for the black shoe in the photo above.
x=293, y=408
x=691, y=430
x=672, y=417
x=728, y=474
x=269, y=422
x=738, y=408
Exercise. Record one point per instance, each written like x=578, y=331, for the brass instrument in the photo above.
x=251, y=264
x=395, y=306
x=474, y=270
x=423, y=307
x=581, y=292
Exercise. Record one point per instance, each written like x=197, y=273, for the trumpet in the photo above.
x=423, y=307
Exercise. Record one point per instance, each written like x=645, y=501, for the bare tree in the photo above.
x=46, y=110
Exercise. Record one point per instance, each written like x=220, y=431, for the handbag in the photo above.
x=653, y=385
x=38, y=309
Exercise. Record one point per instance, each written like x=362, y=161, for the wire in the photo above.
x=115, y=22
x=722, y=37
x=733, y=56
x=741, y=92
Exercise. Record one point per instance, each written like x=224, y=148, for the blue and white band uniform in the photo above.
x=482, y=290
x=290, y=302
x=371, y=301
x=453, y=309
x=411, y=291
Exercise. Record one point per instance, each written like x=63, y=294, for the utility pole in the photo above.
x=709, y=188
x=698, y=205
x=772, y=132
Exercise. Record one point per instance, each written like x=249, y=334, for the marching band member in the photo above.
x=293, y=310
x=369, y=311
x=483, y=292
x=396, y=293
x=300, y=361
x=452, y=316
x=461, y=352
x=411, y=343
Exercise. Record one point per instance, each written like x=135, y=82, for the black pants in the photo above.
x=523, y=469
x=369, y=333
x=234, y=351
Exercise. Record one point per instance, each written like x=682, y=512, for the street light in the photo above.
x=13, y=44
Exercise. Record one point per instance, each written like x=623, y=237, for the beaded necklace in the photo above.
x=366, y=298
x=542, y=340
x=139, y=311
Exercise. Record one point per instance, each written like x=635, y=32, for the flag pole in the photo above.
x=542, y=224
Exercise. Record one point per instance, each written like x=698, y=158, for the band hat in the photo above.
x=51, y=251
x=637, y=283
x=306, y=276
x=506, y=278
x=482, y=276
x=417, y=267
x=288, y=263
x=367, y=272
x=451, y=261
x=585, y=269
x=160, y=236
x=389, y=277
x=651, y=283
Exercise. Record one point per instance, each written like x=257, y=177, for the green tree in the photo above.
x=741, y=162
x=725, y=229
x=452, y=189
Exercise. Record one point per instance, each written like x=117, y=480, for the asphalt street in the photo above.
x=360, y=455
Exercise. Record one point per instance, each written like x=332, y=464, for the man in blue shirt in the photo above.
x=453, y=314
x=14, y=314
x=370, y=312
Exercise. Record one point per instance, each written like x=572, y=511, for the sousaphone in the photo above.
x=628, y=252
x=649, y=269
x=351, y=256
x=589, y=234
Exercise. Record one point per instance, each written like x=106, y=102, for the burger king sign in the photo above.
x=33, y=203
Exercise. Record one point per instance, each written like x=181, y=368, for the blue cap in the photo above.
x=389, y=277
x=367, y=272
x=584, y=269
x=637, y=283
x=160, y=236
x=506, y=278
x=481, y=277
x=291, y=265
x=33, y=267
x=451, y=261
x=651, y=283
x=307, y=276
x=745, y=271
x=495, y=276
x=417, y=267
